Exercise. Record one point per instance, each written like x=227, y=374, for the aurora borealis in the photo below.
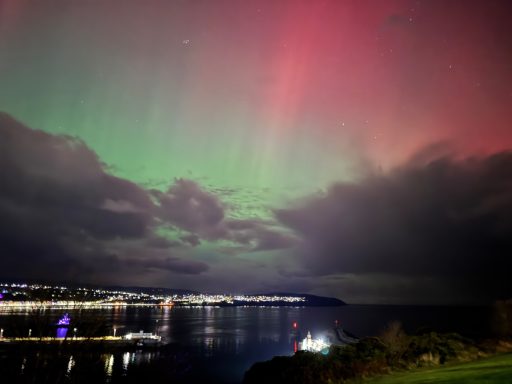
x=259, y=145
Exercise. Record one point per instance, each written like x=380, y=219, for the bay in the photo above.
x=207, y=344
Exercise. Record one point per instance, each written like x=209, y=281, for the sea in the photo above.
x=205, y=344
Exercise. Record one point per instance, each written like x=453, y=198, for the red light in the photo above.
x=295, y=324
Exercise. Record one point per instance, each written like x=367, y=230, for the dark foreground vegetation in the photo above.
x=392, y=351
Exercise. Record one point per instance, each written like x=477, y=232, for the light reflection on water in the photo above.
x=22, y=368
x=61, y=333
x=218, y=343
x=109, y=365
x=126, y=361
x=71, y=364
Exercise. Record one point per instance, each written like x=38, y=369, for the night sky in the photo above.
x=352, y=148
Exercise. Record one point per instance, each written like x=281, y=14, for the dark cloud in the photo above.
x=448, y=220
x=58, y=179
x=161, y=242
x=191, y=239
x=171, y=264
x=259, y=235
x=188, y=207
x=438, y=227
x=62, y=216
x=267, y=240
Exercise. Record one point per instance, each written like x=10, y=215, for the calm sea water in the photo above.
x=208, y=345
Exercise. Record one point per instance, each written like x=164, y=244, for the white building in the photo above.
x=313, y=345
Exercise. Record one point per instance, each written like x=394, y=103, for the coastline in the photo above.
x=374, y=357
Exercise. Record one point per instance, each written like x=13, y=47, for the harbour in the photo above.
x=200, y=343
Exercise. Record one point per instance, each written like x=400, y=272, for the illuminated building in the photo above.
x=314, y=345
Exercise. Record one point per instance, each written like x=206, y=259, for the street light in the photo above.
x=29, y=332
x=1, y=333
x=74, y=332
x=115, y=331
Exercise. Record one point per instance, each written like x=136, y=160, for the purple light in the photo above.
x=62, y=333
x=64, y=320
x=1, y=296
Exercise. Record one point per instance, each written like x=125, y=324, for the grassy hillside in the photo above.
x=493, y=370
x=427, y=357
